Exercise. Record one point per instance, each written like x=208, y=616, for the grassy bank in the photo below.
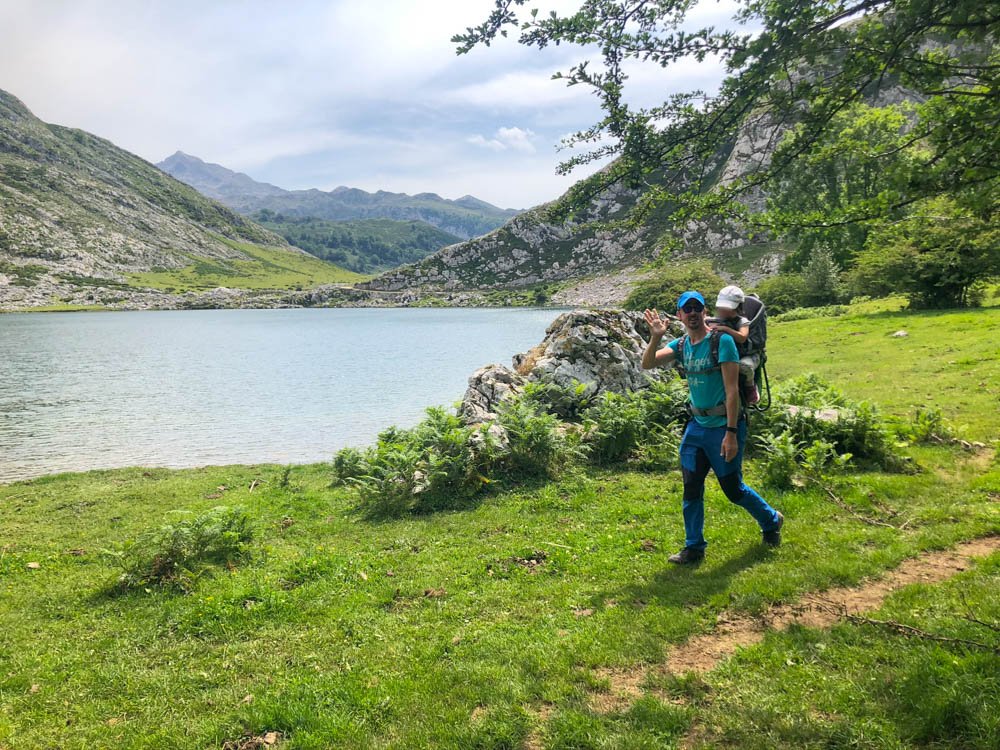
x=497, y=626
x=268, y=268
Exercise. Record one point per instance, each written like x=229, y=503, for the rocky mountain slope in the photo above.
x=592, y=262
x=80, y=218
x=465, y=217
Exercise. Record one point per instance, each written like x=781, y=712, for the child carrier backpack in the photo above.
x=756, y=344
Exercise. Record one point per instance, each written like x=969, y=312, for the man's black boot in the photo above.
x=687, y=556
x=773, y=538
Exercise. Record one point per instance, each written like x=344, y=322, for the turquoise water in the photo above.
x=82, y=391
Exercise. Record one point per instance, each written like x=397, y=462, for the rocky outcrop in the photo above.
x=600, y=348
x=488, y=387
x=532, y=249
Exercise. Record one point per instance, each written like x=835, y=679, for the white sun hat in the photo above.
x=731, y=297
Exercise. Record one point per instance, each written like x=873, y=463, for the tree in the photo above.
x=865, y=160
x=820, y=279
x=935, y=256
x=810, y=61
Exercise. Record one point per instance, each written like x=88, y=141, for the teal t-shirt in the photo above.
x=708, y=389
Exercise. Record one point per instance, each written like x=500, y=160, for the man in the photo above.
x=715, y=437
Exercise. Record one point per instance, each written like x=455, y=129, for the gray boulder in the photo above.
x=599, y=348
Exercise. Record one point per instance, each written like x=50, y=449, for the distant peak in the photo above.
x=180, y=156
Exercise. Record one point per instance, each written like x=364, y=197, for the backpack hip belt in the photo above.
x=719, y=410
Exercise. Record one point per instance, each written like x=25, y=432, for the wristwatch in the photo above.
x=730, y=429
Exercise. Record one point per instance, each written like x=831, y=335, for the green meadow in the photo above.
x=496, y=626
x=268, y=268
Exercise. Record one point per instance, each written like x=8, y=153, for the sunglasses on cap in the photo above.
x=693, y=306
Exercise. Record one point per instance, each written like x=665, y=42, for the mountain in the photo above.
x=85, y=222
x=594, y=261
x=464, y=218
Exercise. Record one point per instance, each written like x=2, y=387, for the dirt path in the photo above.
x=821, y=610
x=816, y=610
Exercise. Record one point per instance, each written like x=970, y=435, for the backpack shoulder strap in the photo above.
x=713, y=346
x=679, y=356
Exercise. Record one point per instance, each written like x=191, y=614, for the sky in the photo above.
x=318, y=93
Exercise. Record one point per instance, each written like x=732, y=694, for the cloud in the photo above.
x=507, y=139
x=316, y=93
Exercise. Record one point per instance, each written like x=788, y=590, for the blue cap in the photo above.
x=688, y=296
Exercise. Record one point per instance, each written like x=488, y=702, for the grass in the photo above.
x=269, y=268
x=948, y=359
x=478, y=628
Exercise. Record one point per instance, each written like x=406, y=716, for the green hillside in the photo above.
x=542, y=616
x=363, y=245
x=83, y=221
x=264, y=268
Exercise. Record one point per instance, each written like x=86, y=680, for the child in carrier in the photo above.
x=728, y=319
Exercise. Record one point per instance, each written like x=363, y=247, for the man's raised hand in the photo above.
x=657, y=326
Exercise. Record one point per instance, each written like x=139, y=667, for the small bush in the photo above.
x=856, y=429
x=537, y=447
x=808, y=313
x=664, y=402
x=439, y=463
x=177, y=554
x=659, y=450
x=782, y=293
x=616, y=424
x=666, y=284
x=566, y=402
x=928, y=426
x=820, y=458
x=780, y=462
x=638, y=427
x=348, y=464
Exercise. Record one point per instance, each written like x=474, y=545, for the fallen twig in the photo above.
x=842, y=504
x=254, y=484
x=912, y=632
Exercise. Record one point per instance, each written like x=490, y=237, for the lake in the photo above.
x=82, y=391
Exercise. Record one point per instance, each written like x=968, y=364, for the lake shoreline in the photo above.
x=216, y=387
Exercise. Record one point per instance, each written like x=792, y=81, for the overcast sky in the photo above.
x=315, y=93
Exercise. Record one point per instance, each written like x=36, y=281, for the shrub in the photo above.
x=928, y=426
x=936, y=255
x=536, y=445
x=639, y=426
x=348, y=464
x=439, y=463
x=808, y=313
x=177, y=554
x=856, y=429
x=615, y=426
x=782, y=293
x=821, y=279
x=663, y=287
x=568, y=402
x=820, y=458
x=664, y=402
x=780, y=463
x=659, y=450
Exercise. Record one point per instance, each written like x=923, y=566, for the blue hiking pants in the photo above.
x=701, y=449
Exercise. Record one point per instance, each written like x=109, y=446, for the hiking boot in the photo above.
x=750, y=394
x=687, y=556
x=773, y=538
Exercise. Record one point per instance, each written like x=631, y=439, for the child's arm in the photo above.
x=739, y=336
